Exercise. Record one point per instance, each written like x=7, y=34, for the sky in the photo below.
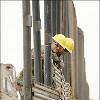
x=87, y=19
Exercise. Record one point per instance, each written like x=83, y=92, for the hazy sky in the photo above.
x=88, y=20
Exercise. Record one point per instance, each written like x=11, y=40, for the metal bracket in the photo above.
x=28, y=20
x=37, y=25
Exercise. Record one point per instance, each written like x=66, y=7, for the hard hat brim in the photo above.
x=70, y=51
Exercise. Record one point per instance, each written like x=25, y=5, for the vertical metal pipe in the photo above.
x=61, y=16
x=47, y=75
x=37, y=41
x=65, y=18
x=58, y=16
x=27, y=49
x=62, y=13
x=67, y=62
x=53, y=17
x=47, y=18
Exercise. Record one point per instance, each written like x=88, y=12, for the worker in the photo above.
x=60, y=45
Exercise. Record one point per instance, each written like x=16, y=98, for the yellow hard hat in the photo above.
x=69, y=45
x=60, y=39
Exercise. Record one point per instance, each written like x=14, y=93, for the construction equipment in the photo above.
x=45, y=81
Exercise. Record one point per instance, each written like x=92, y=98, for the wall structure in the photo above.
x=83, y=85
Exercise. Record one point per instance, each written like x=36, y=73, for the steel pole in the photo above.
x=61, y=16
x=67, y=57
x=53, y=17
x=37, y=41
x=47, y=18
x=57, y=16
x=27, y=49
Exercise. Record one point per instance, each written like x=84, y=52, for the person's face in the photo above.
x=57, y=48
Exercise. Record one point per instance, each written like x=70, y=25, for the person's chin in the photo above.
x=55, y=51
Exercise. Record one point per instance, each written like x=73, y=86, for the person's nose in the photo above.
x=58, y=48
